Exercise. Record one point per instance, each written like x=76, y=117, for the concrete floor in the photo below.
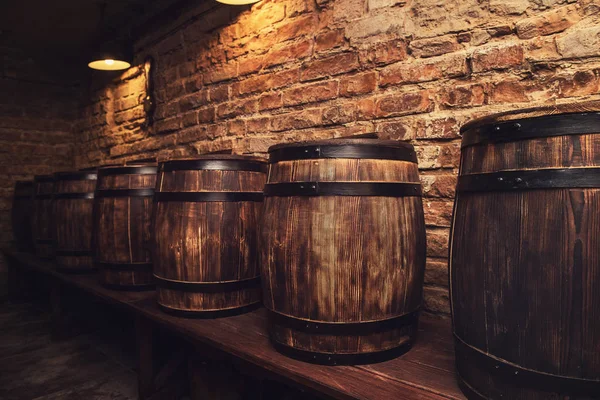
x=33, y=366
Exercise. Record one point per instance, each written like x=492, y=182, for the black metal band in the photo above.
x=534, y=127
x=210, y=313
x=530, y=179
x=216, y=165
x=76, y=176
x=43, y=241
x=378, y=152
x=130, y=288
x=471, y=393
x=124, y=193
x=133, y=170
x=343, y=189
x=45, y=196
x=86, y=195
x=75, y=271
x=345, y=328
x=341, y=359
x=207, y=287
x=141, y=267
x=73, y=253
x=208, y=196
x=522, y=377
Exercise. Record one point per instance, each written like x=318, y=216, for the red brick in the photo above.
x=218, y=94
x=194, y=100
x=339, y=114
x=297, y=120
x=450, y=66
x=403, y=104
x=434, y=46
x=288, y=52
x=463, y=96
x=436, y=272
x=258, y=125
x=174, y=90
x=206, y=115
x=385, y=53
x=237, y=108
x=221, y=73
x=437, y=242
x=497, y=57
x=436, y=300
x=438, y=185
x=263, y=16
x=189, y=119
x=509, y=92
x=579, y=43
x=358, y=84
x=270, y=101
x=310, y=93
x=438, y=128
x=334, y=65
x=329, y=39
x=395, y=130
x=265, y=82
x=438, y=213
x=582, y=83
x=549, y=22
x=236, y=127
x=166, y=125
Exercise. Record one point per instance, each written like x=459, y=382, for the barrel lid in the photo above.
x=343, y=148
x=128, y=170
x=552, y=120
x=75, y=175
x=43, y=178
x=230, y=162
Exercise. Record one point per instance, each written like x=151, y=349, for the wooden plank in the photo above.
x=425, y=372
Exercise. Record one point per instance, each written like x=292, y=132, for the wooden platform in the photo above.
x=425, y=372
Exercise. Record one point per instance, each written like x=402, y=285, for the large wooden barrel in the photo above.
x=21, y=215
x=72, y=209
x=122, y=213
x=42, y=215
x=525, y=256
x=205, y=235
x=343, y=249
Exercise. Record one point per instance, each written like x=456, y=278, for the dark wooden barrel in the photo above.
x=525, y=257
x=122, y=213
x=21, y=215
x=343, y=249
x=72, y=208
x=205, y=235
x=42, y=215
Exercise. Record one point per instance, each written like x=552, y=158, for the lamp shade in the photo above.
x=238, y=2
x=111, y=56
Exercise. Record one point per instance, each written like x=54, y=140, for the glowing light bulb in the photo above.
x=109, y=62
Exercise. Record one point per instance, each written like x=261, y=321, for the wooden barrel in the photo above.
x=42, y=215
x=525, y=257
x=205, y=235
x=343, y=249
x=21, y=215
x=122, y=214
x=72, y=209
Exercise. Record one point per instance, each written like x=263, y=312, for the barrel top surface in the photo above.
x=131, y=169
x=75, y=175
x=533, y=112
x=43, y=178
x=343, y=142
x=217, y=157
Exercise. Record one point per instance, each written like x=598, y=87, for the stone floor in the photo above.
x=33, y=366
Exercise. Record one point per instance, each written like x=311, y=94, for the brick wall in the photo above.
x=286, y=70
x=37, y=114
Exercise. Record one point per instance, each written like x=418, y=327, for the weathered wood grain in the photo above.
x=42, y=215
x=21, y=215
x=343, y=259
x=525, y=272
x=210, y=242
x=72, y=218
x=122, y=215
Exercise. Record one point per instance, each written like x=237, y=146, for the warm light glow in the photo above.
x=109, y=65
x=238, y=2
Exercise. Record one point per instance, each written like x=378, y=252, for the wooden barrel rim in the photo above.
x=75, y=176
x=532, y=112
x=532, y=127
x=43, y=178
x=216, y=163
x=530, y=378
x=128, y=170
x=341, y=358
